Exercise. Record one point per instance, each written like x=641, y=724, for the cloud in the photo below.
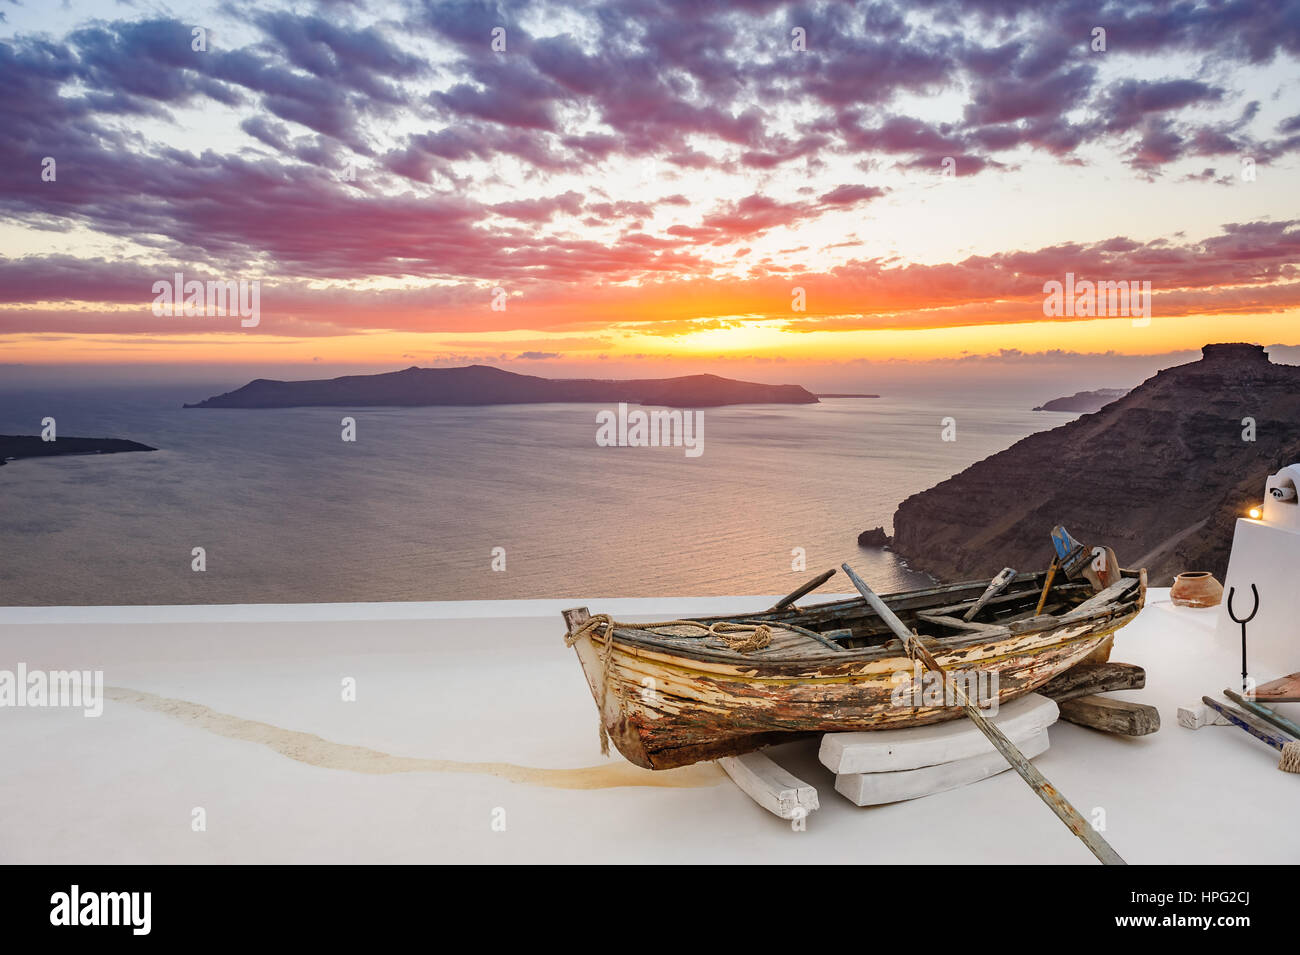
x=1247, y=268
x=457, y=195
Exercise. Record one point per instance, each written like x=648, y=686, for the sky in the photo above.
x=775, y=191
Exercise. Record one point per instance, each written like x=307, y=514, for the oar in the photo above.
x=1037, y=781
x=805, y=589
x=1047, y=585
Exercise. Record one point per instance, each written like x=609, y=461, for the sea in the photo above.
x=466, y=503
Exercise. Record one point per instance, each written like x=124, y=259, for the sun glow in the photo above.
x=732, y=336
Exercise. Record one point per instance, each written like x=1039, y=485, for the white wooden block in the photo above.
x=769, y=785
x=882, y=751
x=1198, y=715
x=873, y=789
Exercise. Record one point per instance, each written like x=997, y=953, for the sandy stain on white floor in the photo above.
x=315, y=751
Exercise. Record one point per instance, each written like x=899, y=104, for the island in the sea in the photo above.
x=484, y=385
x=15, y=446
x=1084, y=402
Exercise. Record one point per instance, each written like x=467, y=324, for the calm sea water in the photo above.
x=288, y=512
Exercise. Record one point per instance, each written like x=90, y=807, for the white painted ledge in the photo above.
x=394, y=610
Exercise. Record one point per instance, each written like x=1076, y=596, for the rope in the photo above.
x=1290, y=761
x=759, y=636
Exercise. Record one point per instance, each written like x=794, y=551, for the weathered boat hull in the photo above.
x=665, y=708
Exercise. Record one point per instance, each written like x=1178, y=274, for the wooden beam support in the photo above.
x=1111, y=716
x=1086, y=679
x=772, y=787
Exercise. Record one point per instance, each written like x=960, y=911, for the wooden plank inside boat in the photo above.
x=957, y=623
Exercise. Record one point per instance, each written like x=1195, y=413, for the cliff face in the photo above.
x=482, y=385
x=1160, y=475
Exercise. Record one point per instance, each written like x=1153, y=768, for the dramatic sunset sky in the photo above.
x=648, y=181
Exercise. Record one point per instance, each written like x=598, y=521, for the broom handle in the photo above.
x=1028, y=772
x=1260, y=730
x=1263, y=712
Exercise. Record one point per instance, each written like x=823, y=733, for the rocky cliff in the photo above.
x=1160, y=475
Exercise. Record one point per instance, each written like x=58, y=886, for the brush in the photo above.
x=1289, y=748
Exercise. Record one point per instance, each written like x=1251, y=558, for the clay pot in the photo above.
x=1196, y=589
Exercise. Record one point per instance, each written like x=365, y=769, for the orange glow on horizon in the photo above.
x=735, y=338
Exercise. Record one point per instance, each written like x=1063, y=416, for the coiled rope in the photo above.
x=755, y=637
x=759, y=635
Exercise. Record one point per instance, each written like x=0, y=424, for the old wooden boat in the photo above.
x=676, y=693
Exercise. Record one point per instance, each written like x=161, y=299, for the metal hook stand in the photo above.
x=1243, y=622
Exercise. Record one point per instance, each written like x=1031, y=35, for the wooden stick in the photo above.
x=1085, y=679
x=1110, y=715
x=1047, y=585
x=1277, y=719
x=1028, y=772
x=995, y=587
x=805, y=589
x=1256, y=728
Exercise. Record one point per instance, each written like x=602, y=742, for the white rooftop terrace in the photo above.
x=238, y=710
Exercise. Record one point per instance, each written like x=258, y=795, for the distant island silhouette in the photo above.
x=1084, y=401
x=15, y=446
x=484, y=385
